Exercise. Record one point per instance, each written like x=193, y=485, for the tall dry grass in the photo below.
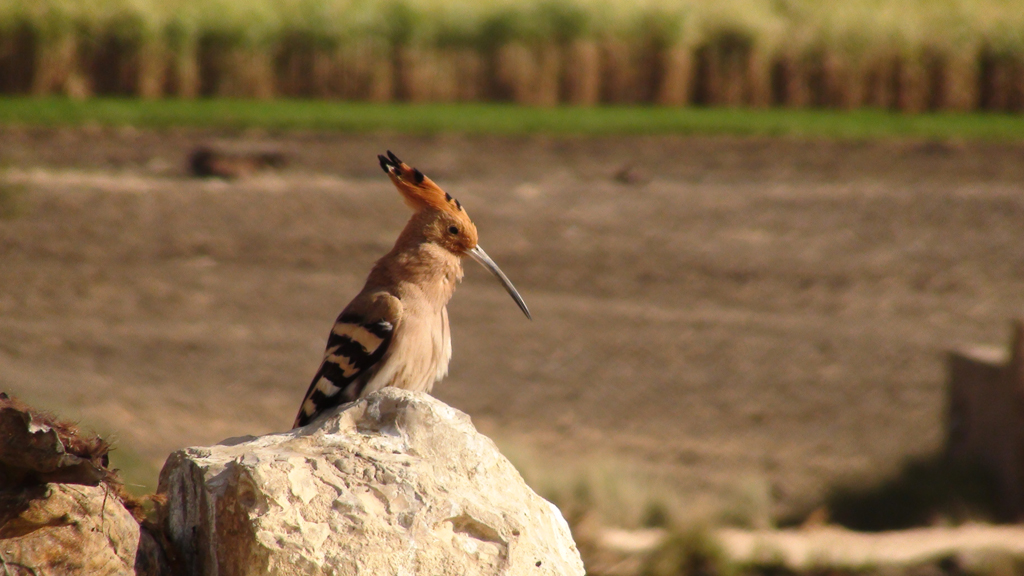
x=910, y=55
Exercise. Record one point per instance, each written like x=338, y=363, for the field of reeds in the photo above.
x=912, y=56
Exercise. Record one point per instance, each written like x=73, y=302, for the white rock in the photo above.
x=398, y=483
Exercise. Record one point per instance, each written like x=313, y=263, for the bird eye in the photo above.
x=453, y=229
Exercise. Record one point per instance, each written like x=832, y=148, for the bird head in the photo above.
x=449, y=225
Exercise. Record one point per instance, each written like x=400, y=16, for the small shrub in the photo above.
x=689, y=552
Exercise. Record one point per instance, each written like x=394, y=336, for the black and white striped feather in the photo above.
x=354, y=351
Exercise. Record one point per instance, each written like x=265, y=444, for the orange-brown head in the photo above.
x=449, y=226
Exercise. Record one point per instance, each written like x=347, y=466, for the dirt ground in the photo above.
x=742, y=317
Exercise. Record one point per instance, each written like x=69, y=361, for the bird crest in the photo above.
x=420, y=193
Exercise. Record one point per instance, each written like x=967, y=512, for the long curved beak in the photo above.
x=480, y=256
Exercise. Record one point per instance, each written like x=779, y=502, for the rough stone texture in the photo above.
x=398, y=483
x=62, y=510
x=36, y=448
x=71, y=529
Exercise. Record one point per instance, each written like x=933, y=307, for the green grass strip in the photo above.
x=506, y=119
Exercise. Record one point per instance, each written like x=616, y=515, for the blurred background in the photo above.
x=754, y=321
x=912, y=56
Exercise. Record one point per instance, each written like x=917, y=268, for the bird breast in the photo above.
x=443, y=348
x=422, y=346
x=419, y=355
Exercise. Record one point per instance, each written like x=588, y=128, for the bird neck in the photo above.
x=417, y=266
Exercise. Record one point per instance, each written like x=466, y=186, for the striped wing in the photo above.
x=354, y=350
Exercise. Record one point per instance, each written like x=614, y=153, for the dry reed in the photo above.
x=911, y=56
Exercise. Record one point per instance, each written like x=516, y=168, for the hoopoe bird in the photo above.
x=395, y=331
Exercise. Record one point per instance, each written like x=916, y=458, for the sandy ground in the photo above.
x=746, y=316
x=972, y=546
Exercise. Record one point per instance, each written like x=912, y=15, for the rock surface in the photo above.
x=397, y=483
x=62, y=510
x=71, y=529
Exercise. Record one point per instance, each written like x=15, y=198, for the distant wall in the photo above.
x=986, y=415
